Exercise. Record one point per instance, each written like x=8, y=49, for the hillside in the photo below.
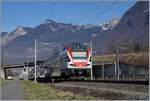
x=132, y=31
x=22, y=38
x=134, y=59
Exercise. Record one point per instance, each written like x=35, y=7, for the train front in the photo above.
x=79, y=60
x=79, y=56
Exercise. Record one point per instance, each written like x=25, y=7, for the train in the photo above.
x=74, y=60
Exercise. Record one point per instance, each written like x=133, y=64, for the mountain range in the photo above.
x=131, y=30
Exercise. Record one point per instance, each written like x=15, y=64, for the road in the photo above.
x=12, y=91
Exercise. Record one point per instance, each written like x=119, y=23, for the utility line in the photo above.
x=104, y=11
x=51, y=10
x=91, y=11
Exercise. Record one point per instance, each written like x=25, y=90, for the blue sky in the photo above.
x=32, y=13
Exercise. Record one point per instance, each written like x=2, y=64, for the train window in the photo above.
x=79, y=55
x=80, y=58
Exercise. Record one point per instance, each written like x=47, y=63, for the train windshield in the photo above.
x=79, y=55
x=75, y=47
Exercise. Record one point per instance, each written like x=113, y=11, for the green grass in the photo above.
x=3, y=81
x=38, y=91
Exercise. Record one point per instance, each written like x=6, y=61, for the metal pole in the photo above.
x=117, y=55
x=24, y=72
x=27, y=70
x=103, y=69
x=35, y=64
x=59, y=54
x=91, y=63
x=115, y=69
x=59, y=47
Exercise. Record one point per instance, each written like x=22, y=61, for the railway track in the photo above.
x=140, y=82
x=143, y=82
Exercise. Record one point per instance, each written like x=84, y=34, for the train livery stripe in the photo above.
x=88, y=55
x=69, y=54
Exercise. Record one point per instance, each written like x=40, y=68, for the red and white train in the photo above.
x=74, y=60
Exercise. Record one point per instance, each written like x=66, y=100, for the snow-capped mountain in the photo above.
x=131, y=31
x=88, y=26
x=49, y=27
x=107, y=26
x=110, y=24
x=16, y=33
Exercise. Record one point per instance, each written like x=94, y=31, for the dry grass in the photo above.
x=36, y=91
x=112, y=91
x=136, y=59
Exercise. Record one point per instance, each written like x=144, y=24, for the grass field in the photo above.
x=3, y=81
x=37, y=91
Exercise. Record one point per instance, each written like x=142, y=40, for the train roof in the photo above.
x=76, y=46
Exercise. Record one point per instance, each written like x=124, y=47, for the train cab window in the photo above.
x=78, y=47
